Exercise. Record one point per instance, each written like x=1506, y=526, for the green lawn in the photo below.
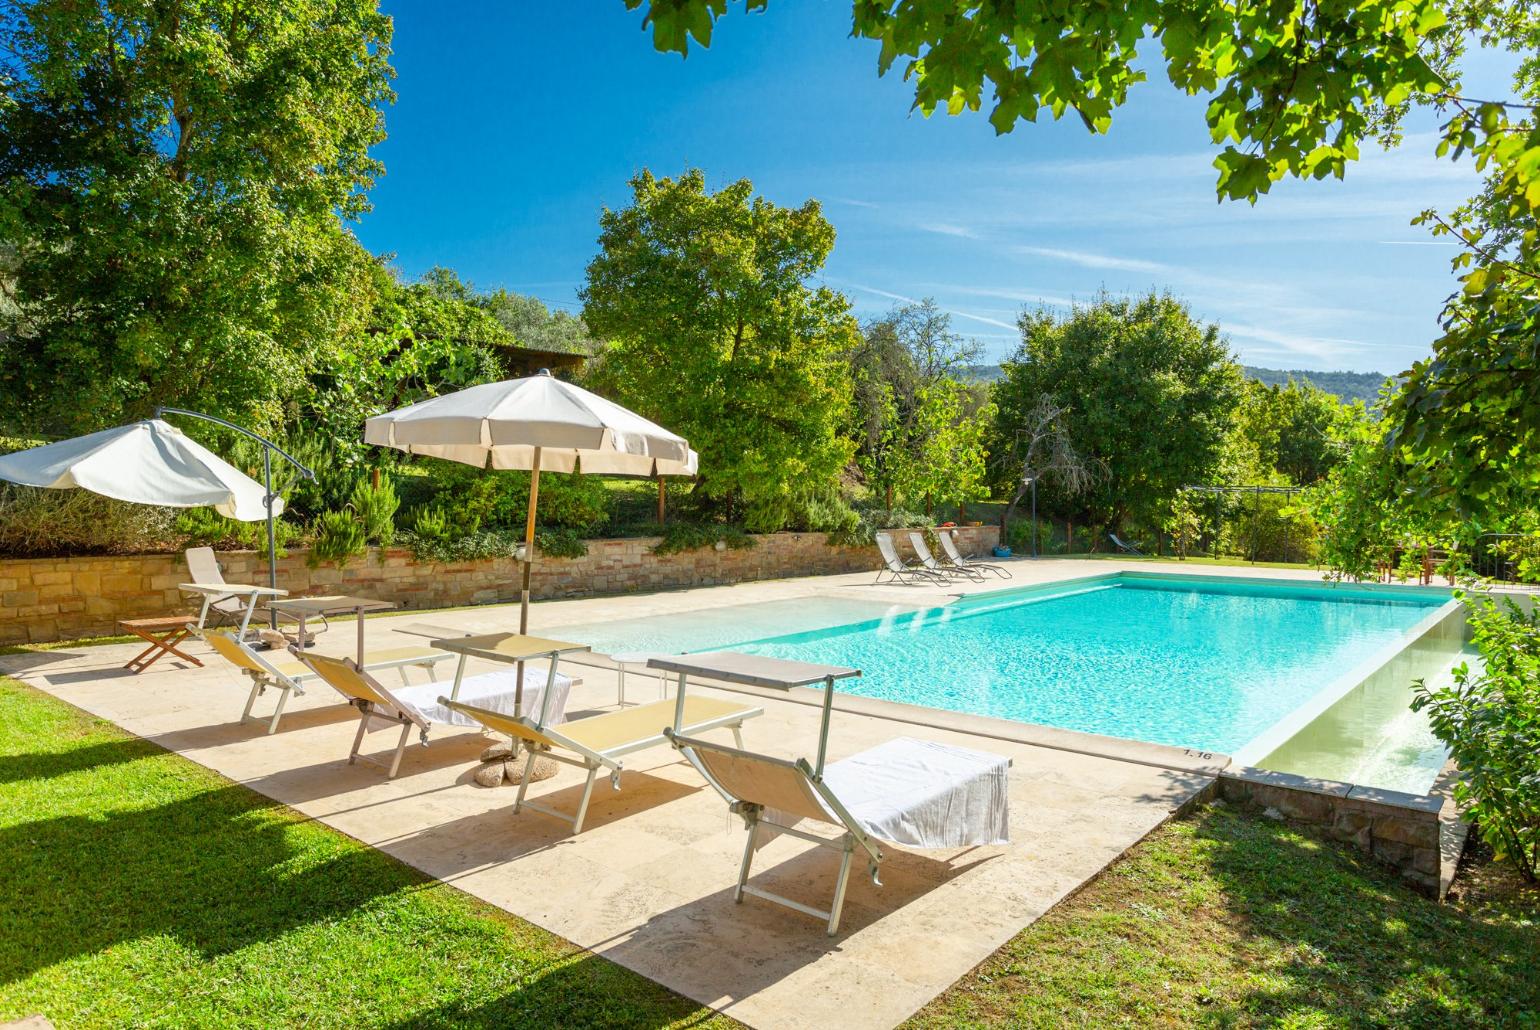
x=1223, y=919
x=139, y=888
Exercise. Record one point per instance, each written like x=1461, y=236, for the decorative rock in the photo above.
x=491, y=774
x=493, y=752
x=544, y=769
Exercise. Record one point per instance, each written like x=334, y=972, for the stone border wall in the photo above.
x=48, y=599
x=1418, y=835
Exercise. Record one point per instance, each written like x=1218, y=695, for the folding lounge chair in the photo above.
x=929, y=563
x=601, y=741
x=203, y=567
x=949, y=545
x=914, y=793
x=1124, y=546
x=288, y=676
x=416, y=707
x=894, y=566
x=229, y=610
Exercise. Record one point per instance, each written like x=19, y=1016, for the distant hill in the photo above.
x=1350, y=386
x=982, y=373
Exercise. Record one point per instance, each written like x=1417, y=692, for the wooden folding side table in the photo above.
x=163, y=633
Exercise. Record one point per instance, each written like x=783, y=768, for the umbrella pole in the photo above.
x=272, y=536
x=529, y=559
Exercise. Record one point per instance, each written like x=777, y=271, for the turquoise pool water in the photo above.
x=1208, y=665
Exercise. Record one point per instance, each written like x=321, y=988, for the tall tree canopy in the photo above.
x=1294, y=87
x=716, y=332
x=173, y=180
x=920, y=430
x=1145, y=394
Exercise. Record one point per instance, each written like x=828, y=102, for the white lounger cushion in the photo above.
x=491, y=690
x=921, y=794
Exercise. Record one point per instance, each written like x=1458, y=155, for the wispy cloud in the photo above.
x=905, y=299
x=1418, y=243
x=1320, y=348
x=949, y=229
x=1088, y=259
x=853, y=202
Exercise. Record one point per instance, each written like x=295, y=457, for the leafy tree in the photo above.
x=1489, y=718
x=1472, y=411
x=1362, y=508
x=1297, y=430
x=1146, y=392
x=1294, y=88
x=716, y=333
x=173, y=182
x=1042, y=451
x=537, y=327
x=919, y=430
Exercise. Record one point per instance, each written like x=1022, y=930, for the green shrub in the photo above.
x=375, y=509
x=842, y=522
x=205, y=527
x=339, y=538
x=39, y=523
x=560, y=543
x=567, y=501
x=687, y=536
x=432, y=525
x=446, y=549
x=1490, y=721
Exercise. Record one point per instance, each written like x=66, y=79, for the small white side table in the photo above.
x=638, y=660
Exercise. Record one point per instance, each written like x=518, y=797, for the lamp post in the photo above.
x=1030, y=480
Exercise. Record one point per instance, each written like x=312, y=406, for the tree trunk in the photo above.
x=1010, y=509
x=890, y=497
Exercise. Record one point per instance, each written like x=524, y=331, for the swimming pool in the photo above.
x=1206, y=663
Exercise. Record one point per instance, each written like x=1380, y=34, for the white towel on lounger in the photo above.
x=491, y=690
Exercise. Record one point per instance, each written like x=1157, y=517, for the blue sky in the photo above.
x=515, y=126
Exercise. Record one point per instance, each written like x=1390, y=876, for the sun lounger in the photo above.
x=601, y=741
x=929, y=563
x=380, y=707
x=895, y=567
x=288, y=675
x=913, y=793
x=949, y=545
x=1124, y=546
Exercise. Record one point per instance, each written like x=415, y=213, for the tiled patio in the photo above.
x=648, y=883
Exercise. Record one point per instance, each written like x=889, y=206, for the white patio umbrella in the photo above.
x=154, y=462
x=536, y=424
x=149, y=462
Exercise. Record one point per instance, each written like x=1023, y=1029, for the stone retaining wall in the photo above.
x=47, y=599
x=1414, y=834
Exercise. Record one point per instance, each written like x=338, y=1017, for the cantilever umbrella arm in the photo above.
x=268, y=450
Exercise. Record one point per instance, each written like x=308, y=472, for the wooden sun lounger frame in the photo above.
x=543, y=740
x=753, y=815
x=266, y=676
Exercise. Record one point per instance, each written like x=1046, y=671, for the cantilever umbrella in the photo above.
x=149, y=462
x=154, y=462
x=536, y=424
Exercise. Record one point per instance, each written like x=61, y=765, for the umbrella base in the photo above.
x=544, y=769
